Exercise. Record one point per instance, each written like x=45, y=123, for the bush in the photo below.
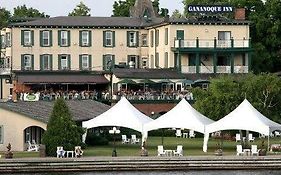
x=92, y=139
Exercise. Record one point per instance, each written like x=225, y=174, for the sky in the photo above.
x=63, y=7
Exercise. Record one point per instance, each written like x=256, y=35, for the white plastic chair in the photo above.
x=178, y=151
x=178, y=133
x=277, y=134
x=60, y=152
x=32, y=147
x=251, y=138
x=238, y=138
x=134, y=139
x=191, y=134
x=125, y=140
x=160, y=150
x=254, y=150
x=239, y=150
x=78, y=151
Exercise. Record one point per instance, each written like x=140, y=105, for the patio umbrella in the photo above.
x=147, y=81
x=185, y=81
x=201, y=81
x=127, y=81
x=165, y=81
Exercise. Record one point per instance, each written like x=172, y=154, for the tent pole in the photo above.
x=268, y=142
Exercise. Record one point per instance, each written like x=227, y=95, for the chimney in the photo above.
x=240, y=14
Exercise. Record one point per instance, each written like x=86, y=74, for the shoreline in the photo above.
x=101, y=164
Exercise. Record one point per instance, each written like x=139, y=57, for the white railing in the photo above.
x=206, y=69
x=239, y=43
x=206, y=43
x=210, y=69
x=223, y=43
x=188, y=69
x=223, y=69
x=241, y=69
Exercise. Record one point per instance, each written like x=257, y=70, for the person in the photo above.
x=78, y=151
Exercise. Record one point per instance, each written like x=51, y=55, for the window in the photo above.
x=133, y=61
x=1, y=134
x=27, y=38
x=157, y=60
x=46, y=38
x=8, y=40
x=85, y=38
x=108, y=61
x=85, y=62
x=144, y=40
x=166, y=60
x=64, y=38
x=144, y=62
x=151, y=38
x=46, y=62
x=64, y=62
x=132, y=39
x=3, y=44
x=27, y=62
x=109, y=38
x=224, y=39
x=166, y=36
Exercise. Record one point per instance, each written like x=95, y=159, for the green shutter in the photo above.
x=157, y=60
x=59, y=62
x=113, y=38
x=32, y=62
x=22, y=62
x=41, y=39
x=22, y=37
x=138, y=61
x=90, y=38
x=113, y=61
x=69, y=62
x=80, y=38
x=68, y=38
x=80, y=62
x=32, y=38
x=137, y=39
x=103, y=62
x=128, y=59
x=59, y=37
x=166, y=59
x=157, y=38
x=151, y=38
x=90, y=62
x=166, y=36
x=41, y=61
x=51, y=38
x=104, y=40
x=128, y=38
x=51, y=62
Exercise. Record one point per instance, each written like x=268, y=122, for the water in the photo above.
x=211, y=172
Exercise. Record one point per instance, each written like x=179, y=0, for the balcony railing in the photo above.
x=5, y=69
x=210, y=69
x=198, y=43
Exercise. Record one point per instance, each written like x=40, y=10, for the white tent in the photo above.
x=244, y=117
x=183, y=115
x=122, y=114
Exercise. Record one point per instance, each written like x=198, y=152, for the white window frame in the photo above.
x=27, y=62
x=8, y=39
x=85, y=62
x=46, y=38
x=64, y=62
x=144, y=40
x=144, y=62
x=85, y=38
x=108, y=38
x=3, y=41
x=132, y=39
x=1, y=134
x=27, y=37
x=64, y=38
x=48, y=57
x=133, y=58
x=108, y=58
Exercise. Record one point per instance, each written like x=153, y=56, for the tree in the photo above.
x=177, y=14
x=24, y=12
x=61, y=129
x=80, y=10
x=5, y=15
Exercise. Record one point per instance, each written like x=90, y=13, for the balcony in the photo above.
x=210, y=69
x=5, y=69
x=193, y=44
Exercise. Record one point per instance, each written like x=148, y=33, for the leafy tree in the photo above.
x=5, y=15
x=24, y=12
x=177, y=14
x=80, y=10
x=61, y=129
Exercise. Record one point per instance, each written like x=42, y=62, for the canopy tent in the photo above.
x=244, y=117
x=122, y=114
x=183, y=115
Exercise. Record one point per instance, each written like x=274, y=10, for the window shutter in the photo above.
x=41, y=61
x=103, y=62
x=68, y=38
x=51, y=62
x=90, y=38
x=59, y=62
x=59, y=37
x=41, y=39
x=138, y=61
x=113, y=38
x=90, y=62
x=137, y=39
x=166, y=59
x=157, y=38
x=22, y=62
x=80, y=38
x=69, y=62
x=51, y=38
x=22, y=37
x=113, y=62
x=128, y=60
x=32, y=62
x=80, y=62
x=128, y=38
x=32, y=38
x=166, y=36
x=104, y=40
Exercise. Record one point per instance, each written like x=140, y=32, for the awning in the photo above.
x=147, y=81
x=127, y=81
x=62, y=79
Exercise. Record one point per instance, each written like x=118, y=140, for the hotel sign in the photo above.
x=209, y=9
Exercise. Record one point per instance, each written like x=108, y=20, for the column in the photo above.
x=215, y=58
x=249, y=61
x=197, y=63
x=232, y=62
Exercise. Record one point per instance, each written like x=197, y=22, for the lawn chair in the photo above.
x=178, y=133
x=78, y=151
x=60, y=152
x=238, y=138
x=32, y=147
x=191, y=134
x=125, y=140
x=239, y=150
x=254, y=150
x=134, y=139
x=251, y=138
x=277, y=134
x=178, y=151
x=160, y=151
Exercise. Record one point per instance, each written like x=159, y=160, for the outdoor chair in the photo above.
x=277, y=134
x=238, y=138
x=160, y=151
x=178, y=151
x=32, y=147
x=125, y=140
x=178, y=133
x=191, y=134
x=134, y=139
x=78, y=151
x=239, y=150
x=60, y=152
x=254, y=150
x=251, y=138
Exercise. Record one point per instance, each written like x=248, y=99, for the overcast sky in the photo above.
x=63, y=7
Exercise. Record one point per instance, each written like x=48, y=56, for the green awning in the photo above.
x=147, y=81
x=186, y=81
x=165, y=81
x=127, y=81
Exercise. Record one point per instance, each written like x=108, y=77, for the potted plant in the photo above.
x=262, y=151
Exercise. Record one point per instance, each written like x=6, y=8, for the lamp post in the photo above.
x=114, y=131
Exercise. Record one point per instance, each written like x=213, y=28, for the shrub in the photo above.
x=93, y=139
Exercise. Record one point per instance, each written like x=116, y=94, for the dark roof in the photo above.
x=41, y=110
x=148, y=73
x=87, y=21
